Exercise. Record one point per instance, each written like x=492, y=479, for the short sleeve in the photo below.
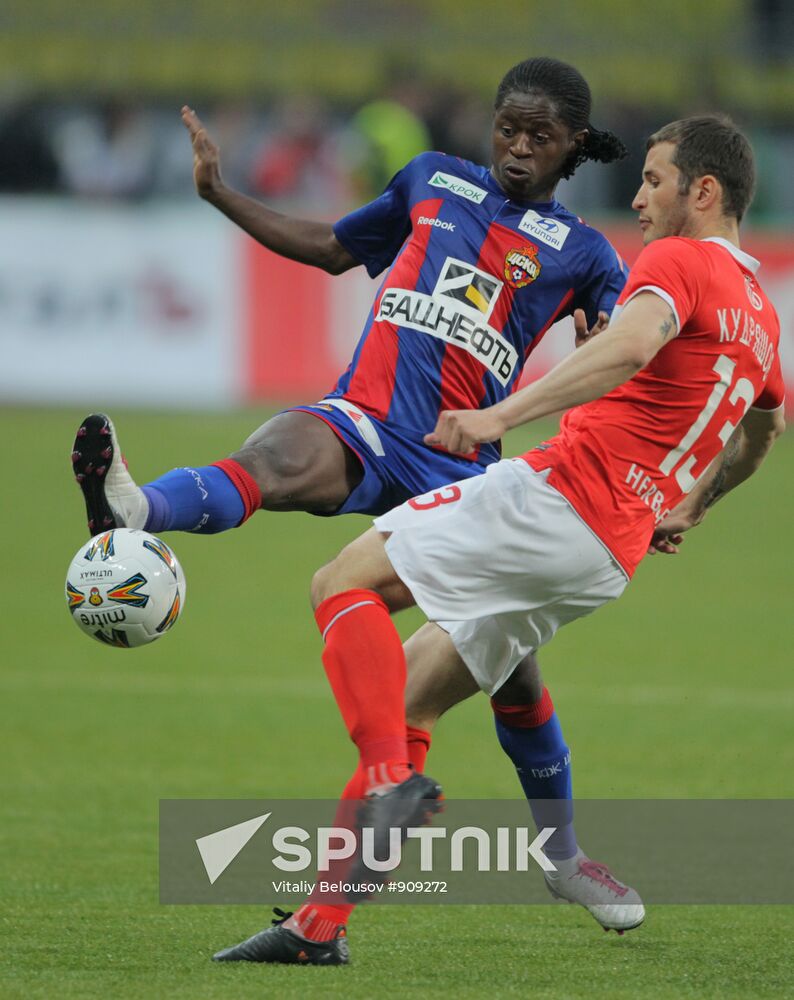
x=374, y=233
x=599, y=288
x=674, y=269
x=773, y=394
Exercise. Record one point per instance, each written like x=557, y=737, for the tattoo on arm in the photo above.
x=716, y=490
x=667, y=327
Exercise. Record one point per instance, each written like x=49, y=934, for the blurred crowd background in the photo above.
x=316, y=103
x=108, y=254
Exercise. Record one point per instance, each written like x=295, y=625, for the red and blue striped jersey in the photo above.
x=474, y=281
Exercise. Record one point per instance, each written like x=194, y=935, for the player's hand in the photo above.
x=580, y=326
x=206, y=155
x=459, y=431
x=662, y=543
x=670, y=533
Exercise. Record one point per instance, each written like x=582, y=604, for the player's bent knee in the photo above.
x=299, y=463
x=334, y=578
x=360, y=565
x=322, y=586
x=276, y=474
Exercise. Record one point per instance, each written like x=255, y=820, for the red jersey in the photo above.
x=625, y=460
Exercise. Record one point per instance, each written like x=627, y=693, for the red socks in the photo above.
x=319, y=921
x=418, y=741
x=525, y=716
x=244, y=483
x=418, y=744
x=315, y=919
x=365, y=665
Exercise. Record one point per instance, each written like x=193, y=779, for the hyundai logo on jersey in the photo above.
x=548, y=231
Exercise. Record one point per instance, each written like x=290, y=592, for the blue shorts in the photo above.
x=395, y=466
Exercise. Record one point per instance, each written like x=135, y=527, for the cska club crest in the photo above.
x=522, y=266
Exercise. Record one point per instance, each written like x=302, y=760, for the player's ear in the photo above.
x=708, y=192
x=579, y=138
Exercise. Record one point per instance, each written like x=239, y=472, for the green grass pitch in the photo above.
x=681, y=689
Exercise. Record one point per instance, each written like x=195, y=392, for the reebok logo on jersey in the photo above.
x=458, y=186
x=438, y=223
x=549, y=231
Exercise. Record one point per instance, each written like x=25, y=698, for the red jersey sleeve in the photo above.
x=671, y=267
x=774, y=392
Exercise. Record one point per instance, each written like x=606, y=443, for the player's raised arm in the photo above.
x=299, y=239
x=644, y=326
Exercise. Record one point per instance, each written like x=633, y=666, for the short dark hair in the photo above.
x=568, y=90
x=712, y=144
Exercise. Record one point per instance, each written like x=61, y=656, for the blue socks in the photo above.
x=204, y=500
x=543, y=763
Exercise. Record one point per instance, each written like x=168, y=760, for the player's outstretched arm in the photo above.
x=299, y=239
x=608, y=360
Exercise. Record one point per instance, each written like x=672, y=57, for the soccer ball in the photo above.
x=125, y=588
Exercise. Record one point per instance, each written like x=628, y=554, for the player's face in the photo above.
x=663, y=210
x=530, y=146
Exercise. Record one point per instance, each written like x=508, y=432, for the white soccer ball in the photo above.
x=125, y=588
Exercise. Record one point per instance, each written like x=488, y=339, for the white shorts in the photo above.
x=500, y=562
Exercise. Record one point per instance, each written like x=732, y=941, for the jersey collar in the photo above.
x=748, y=262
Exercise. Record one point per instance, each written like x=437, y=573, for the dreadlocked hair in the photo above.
x=568, y=90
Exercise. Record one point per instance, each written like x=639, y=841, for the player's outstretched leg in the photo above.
x=207, y=499
x=279, y=944
x=293, y=462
